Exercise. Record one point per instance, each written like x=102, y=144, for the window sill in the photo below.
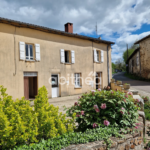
x=29, y=60
x=99, y=62
x=67, y=63
x=78, y=87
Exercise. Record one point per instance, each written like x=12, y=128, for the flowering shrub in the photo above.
x=105, y=108
x=22, y=124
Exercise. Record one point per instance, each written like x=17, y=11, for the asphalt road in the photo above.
x=135, y=84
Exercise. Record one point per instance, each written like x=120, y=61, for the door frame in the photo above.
x=58, y=86
x=28, y=80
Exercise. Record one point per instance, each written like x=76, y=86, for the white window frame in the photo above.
x=77, y=79
x=98, y=55
x=29, y=57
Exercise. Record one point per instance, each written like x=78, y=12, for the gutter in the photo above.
x=108, y=65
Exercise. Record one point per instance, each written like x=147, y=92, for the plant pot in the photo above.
x=119, y=82
x=126, y=86
x=112, y=80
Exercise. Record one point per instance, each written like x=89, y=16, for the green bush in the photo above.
x=147, y=110
x=65, y=140
x=105, y=108
x=22, y=124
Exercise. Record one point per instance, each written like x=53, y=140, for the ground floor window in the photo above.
x=77, y=79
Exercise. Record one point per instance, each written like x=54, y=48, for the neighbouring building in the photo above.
x=139, y=61
x=32, y=56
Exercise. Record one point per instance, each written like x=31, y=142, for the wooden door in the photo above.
x=26, y=87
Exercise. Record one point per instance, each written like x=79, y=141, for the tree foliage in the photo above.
x=130, y=51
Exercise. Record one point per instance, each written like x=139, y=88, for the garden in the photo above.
x=97, y=115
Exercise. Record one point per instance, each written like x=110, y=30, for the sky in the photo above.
x=120, y=21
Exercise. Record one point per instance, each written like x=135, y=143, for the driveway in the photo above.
x=135, y=84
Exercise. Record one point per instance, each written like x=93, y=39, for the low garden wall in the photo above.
x=129, y=142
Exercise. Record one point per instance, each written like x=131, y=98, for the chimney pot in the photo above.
x=69, y=27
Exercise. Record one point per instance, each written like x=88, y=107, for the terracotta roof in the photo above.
x=142, y=39
x=49, y=30
x=135, y=51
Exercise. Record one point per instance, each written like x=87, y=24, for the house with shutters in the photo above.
x=138, y=62
x=33, y=56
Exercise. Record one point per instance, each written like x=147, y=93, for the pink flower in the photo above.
x=97, y=110
x=82, y=112
x=106, y=123
x=95, y=106
x=138, y=124
x=122, y=108
x=130, y=93
x=112, y=92
x=138, y=100
x=124, y=100
x=126, y=96
x=103, y=106
x=99, y=89
x=77, y=115
x=94, y=125
x=93, y=91
x=136, y=127
x=122, y=112
x=76, y=103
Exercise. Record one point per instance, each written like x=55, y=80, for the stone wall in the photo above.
x=144, y=58
x=129, y=142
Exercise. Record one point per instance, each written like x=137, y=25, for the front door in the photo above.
x=98, y=80
x=55, y=86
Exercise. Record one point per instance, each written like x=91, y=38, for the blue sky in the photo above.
x=120, y=21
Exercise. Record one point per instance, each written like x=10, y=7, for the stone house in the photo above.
x=139, y=60
x=32, y=56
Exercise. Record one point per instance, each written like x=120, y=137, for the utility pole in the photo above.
x=96, y=29
x=127, y=68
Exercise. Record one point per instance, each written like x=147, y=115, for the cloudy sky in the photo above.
x=120, y=21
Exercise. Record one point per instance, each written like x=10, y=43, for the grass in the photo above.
x=135, y=77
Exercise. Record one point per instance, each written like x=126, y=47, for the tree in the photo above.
x=120, y=65
x=130, y=51
x=113, y=66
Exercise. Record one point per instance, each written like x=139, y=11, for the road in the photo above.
x=135, y=84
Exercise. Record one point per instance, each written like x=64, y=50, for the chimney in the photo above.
x=69, y=27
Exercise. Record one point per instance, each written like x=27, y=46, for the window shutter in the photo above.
x=22, y=50
x=73, y=57
x=62, y=55
x=95, y=56
x=37, y=51
x=102, y=56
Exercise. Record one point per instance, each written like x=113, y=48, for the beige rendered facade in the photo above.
x=14, y=70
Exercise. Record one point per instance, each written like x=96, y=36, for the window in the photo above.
x=132, y=62
x=29, y=52
x=67, y=57
x=98, y=55
x=77, y=80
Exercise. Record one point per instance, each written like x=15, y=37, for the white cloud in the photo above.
x=112, y=16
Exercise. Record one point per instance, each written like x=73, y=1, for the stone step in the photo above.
x=134, y=92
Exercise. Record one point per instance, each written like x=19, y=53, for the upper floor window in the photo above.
x=67, y=56
x=98, y=55
x=29, y=52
